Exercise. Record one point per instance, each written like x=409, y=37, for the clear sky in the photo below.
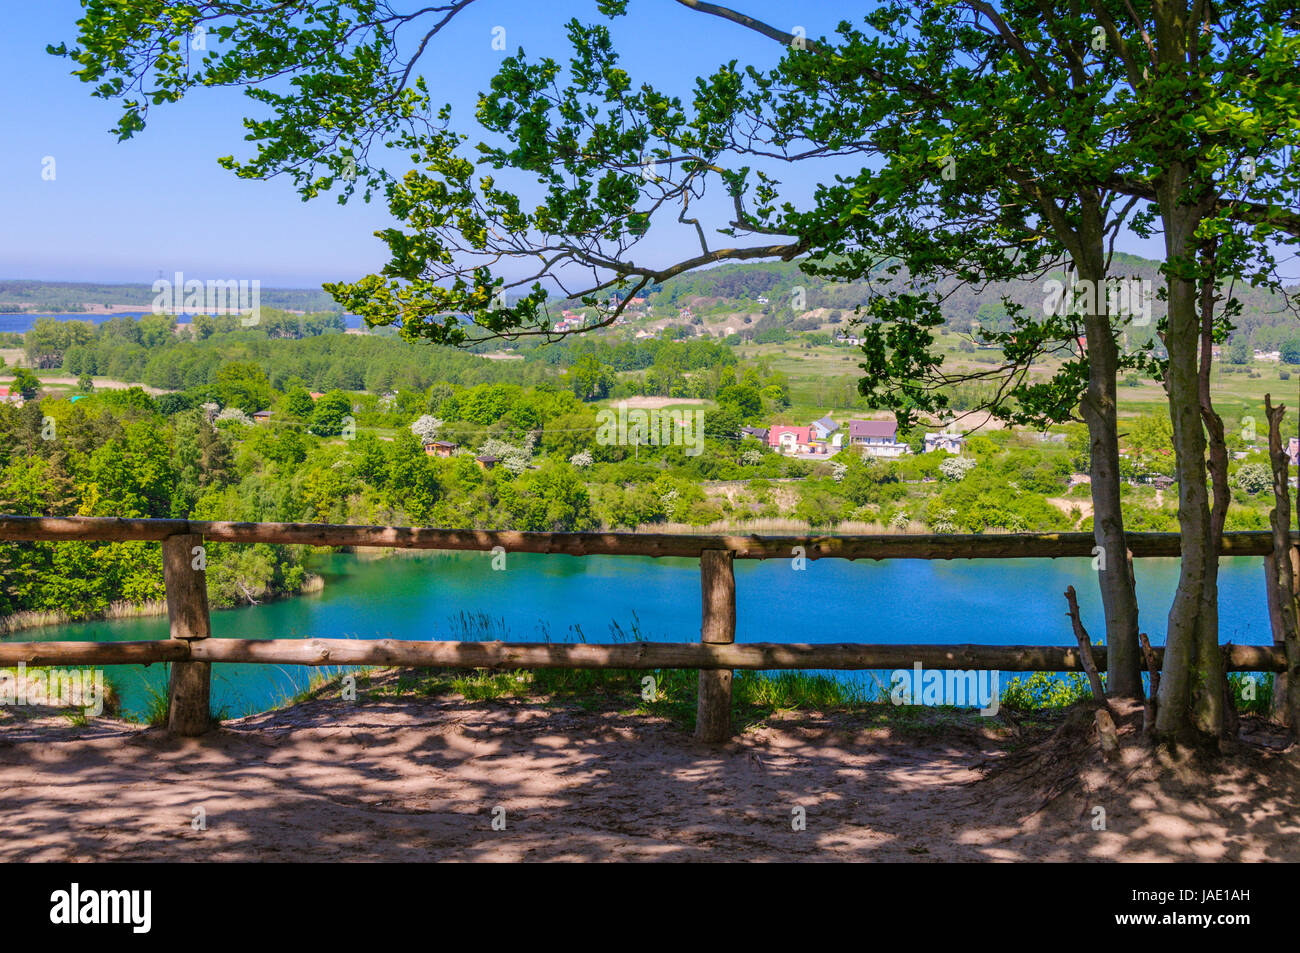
x=159, y=202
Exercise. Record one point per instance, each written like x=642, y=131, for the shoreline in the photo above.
x=39, y=619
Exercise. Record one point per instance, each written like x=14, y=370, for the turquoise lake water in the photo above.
x=993, y=602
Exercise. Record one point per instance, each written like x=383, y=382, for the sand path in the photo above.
x=419, y=779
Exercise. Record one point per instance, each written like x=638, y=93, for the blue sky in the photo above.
x=159, y=202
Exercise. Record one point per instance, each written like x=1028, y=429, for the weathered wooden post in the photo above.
x=188, y=694
x=1275, y=611
x=718, y=586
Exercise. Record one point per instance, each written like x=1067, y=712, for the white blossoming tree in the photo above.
x=426, y=428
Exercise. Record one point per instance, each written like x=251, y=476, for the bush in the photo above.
x=1045, y=690
x=1253, y=478
x=954, y=469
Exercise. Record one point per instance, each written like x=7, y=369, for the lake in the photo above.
x=430, y=596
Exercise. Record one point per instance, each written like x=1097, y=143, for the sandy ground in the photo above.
x=104, y=383
x=416, y=779
x=657, y=403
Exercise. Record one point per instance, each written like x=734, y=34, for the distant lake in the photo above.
x=22, y=323
x=991, y=602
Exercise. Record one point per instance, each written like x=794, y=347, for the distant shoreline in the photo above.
x=38, y=619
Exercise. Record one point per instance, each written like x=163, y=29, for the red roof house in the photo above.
x=802, y=436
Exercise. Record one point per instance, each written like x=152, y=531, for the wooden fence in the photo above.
x=191, y=650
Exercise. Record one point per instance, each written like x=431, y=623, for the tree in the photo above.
x=243, y=384
x=331, y=414
x=26, y=383
x=599, y=203
x=1061, y=117
x=551, y=499
x=298, y=403
x=49, y=338
x=426, y=428
x=954, y=469
x=745, y=398
x=589, y=379
x=513, y=459
x=1254, y=478
x=1212, y=157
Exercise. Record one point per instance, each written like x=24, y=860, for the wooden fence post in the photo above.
x=188, y=694
x=1275, y=610
x=718, y=586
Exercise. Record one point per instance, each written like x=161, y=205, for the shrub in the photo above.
x=1045, y=690
x=1253, y=478
x=955, y=469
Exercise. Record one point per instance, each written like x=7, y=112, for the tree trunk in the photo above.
x=1282, y=584
x=1099, y=410
x=1191, y=697
x=1208, y=621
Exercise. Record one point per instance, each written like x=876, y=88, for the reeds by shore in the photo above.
x=35, y=619
x=117, y=610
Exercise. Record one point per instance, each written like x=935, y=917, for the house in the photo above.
x=758, y=433
x=10, y=395
x=486, y=462
x=1273, y=356
x=315, y=394
x=824, y=428
x=1293, y=451
x=762, y=299
x=876, y=438
x=440, y=448
x=262, y=417
x=789, y=439
x=949, y=442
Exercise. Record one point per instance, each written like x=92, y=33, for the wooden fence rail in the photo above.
x=894, y=546
x=191, y=650
x=754, y=656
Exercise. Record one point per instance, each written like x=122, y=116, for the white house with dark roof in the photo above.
x=876, y=438
x=951, y=442
x=823, y=428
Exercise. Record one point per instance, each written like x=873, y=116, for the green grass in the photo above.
x=1256, y=684
x=821, y=380
x=155, y=709
x=156, y=705
x=668, y=693
x=77, y=716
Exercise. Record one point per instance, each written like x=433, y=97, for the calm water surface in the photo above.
x=431, y=596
